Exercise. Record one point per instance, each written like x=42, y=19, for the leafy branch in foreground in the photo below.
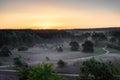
x=39, y=72
x=96, y=70
x=43, y=72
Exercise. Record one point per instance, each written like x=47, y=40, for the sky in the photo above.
x=59, y=14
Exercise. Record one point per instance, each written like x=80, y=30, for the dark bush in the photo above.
x=113, y=40
x=5, y=52
x=61, y=63
x=23, y=72
x=59, y=49
x=39, y=72
x=95, y=70
x=74, y=46
x=18, y=62
x=88, y=46
x=22, y=49
x=22, y=68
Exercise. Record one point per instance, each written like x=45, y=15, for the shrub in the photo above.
x=5, y=52
x=43, y=72
x=22, y=68
x=22, y=49
x=95, y=70
x=88, y=46
x=23, y=72
x=17, y=61
x=61, y=63
x=59, y=49
x=74, y=46
x=39, y=72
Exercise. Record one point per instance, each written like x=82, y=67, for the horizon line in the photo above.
x=59, y=29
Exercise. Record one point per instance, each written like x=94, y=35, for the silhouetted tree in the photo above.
x=74, y=46
x=5, y=52
x=59, y=49
x=113, y=40
x=88, y=46
x=99, y=36
x=115, y=34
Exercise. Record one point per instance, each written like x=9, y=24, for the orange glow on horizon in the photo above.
x=54, y=17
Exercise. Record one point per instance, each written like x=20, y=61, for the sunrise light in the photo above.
x=58, y=14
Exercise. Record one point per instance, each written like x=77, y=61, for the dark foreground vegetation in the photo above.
x=91, y=70
x=96, y=70
x=42, y=71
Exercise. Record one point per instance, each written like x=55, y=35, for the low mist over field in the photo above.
x=65, y=49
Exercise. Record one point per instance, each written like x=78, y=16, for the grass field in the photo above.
x=113, y=50
x=99, y=50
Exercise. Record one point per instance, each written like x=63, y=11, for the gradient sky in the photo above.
x=59, y=14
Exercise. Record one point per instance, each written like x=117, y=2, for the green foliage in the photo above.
x=23, y=72
x=43, y=72
x=17, y=61
x=39, y=72
x=22, y=68
x=95, y=70
x=61, y=63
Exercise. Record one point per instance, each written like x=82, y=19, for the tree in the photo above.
x=23, y=72
x=113, y=40
x=74, y=46
x=59, y=49
x=115, y=34
x=5, y=52
x=99, y=36
x=22, y=68
x=43, y=72
x=96, y=70
x=88, y=46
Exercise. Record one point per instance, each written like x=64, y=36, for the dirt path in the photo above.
x=107, y=52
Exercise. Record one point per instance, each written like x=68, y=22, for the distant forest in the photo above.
x=28, y=37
